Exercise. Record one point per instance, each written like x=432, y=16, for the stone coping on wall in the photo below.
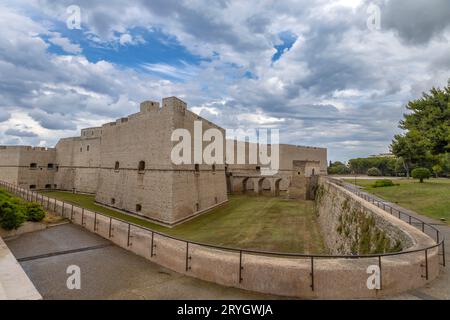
x=300, y=277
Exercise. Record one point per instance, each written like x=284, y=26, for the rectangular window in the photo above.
x=50, y=166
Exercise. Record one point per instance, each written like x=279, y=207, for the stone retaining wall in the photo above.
x=352, y=226
x=302, y=277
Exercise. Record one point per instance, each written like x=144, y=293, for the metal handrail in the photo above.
x=439, y=237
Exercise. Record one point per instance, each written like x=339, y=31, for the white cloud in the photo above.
x=65, y=44
x=339, y=86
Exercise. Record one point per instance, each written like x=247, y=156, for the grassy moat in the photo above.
x=431, y=198
x=249, y=222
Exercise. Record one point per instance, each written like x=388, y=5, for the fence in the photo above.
x=180, y=252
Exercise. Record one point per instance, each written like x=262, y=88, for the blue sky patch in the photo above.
x=288, y=39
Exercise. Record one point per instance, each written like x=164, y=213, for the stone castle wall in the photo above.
x=354, y=227
x=105, y=161
x=30, y=167
x=78, y=161
x=164, y=191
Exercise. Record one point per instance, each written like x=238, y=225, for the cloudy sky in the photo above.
x=313, y=69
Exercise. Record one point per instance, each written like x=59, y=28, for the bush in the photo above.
x=383, y=183
x=34, y=212
x=374, y=172
x=421, y=174
x=11, y=216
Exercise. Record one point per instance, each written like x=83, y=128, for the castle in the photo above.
x=127, y=165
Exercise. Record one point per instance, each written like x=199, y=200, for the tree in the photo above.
x=374, y=172
x=427, y=126
x=421, y=174
x=412, y=149
x=338, y=168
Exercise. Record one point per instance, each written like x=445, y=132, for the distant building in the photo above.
x=382, y=155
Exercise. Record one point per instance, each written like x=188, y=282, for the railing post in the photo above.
x=381, y=277
x=62, y=210
x=423, y=226
x=71, y=213
x=240, y=266
x=95, y=221
x=410, y=220
x=443, y=253
x=128, y=238
x=152, y=246
x=312, y=273
x=426, y=264
x=110, y=226
x=187, y=256
x=82, y=217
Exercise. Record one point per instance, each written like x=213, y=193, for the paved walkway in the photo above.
x=107, y=271
x=440, y=287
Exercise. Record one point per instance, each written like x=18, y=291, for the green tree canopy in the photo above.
x=427, y=126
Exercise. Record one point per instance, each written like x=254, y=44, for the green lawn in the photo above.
x=431, y=198
x=249, y=222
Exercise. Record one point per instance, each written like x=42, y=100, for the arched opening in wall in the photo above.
x=33, y=165
x=116, y=166
x=33, y=186
x=113, y=201
x=266, y=186
x=244, y=185
x=138, y=208
x=196, y=168
x=258, y=169
x=313, y=172
x=276, y=192
x=81, y=149
x=48, y=186
x=213, y=168
x=55, y=186
x=141, y=167
x=197, y=207
x=260, y=186
x=87, y=148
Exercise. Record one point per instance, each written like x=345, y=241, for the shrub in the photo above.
x=374, y=172
x=383, y=183
x=11, y=216
x=34, y=212
x=421, y=174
